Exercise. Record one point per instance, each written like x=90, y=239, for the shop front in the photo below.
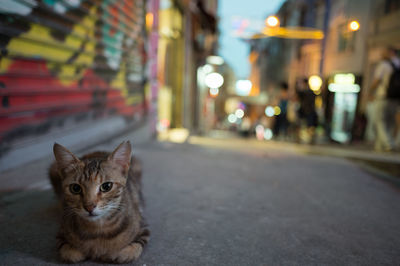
x=345, y=92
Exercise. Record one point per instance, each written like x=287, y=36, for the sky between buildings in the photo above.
x=241, y=18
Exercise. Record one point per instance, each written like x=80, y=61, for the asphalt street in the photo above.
x=216, y=206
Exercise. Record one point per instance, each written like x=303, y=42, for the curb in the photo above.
x=378, y=173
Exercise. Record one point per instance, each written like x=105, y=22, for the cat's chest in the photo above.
x=104, y=240
x=105, y=246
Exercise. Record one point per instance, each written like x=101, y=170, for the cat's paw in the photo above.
x=129, y=253
x=71, y=254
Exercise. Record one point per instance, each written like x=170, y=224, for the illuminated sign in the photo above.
x=344, y=79
x=215, y=60
x=343, y=88
x=291, y=33
x=344, y=83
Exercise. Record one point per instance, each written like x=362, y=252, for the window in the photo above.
x=391, y=5
x=346, y=38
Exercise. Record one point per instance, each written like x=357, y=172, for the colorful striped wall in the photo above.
x=69, y=59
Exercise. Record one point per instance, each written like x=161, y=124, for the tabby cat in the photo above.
x=102, y=205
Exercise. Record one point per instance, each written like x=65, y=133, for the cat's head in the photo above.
x=92, y=186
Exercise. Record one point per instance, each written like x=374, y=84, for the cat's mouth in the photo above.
x=93, y=216
x=90, y=216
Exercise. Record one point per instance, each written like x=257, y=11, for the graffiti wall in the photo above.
x=63, y=59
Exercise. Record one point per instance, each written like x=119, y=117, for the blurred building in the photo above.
x=152, y=21
x=383, y=30
x=66, y=64
x=210, y=98
x=225, y=93
x=187, y=35
x=343, y=69
x=285, y=59
x=345, y=58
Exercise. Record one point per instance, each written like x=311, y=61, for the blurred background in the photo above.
x=293, y=71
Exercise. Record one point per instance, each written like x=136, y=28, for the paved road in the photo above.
x=209, y=206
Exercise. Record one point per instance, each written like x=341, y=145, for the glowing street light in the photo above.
x=243, y=87
x=354, y=25
x=149, y=20
x=272, y=21
x=214, y=80
x=315, y=82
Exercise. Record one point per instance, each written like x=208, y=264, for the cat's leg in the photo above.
x=134, y=250
x=142, y=237
x=70, y=254
x=129, y=253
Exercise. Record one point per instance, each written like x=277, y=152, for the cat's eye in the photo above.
x=105, y=187
x=75, y=188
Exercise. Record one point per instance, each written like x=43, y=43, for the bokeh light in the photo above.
x=260, y=132
x=207, y=68
x=232, y=118
x=269, y=111
x=214, y=91
x=214, y=80
x=239, y=113
x=277, y=110
x=243, y=87
x=354, y=25
x=268, y=134
x=215, y=60
x=315, y=82
x=272, y=21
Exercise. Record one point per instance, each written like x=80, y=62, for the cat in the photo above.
x=102, y=205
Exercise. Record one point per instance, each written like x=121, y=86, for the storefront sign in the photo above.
x=344, y=106
x=344, y=83
x=344, y=79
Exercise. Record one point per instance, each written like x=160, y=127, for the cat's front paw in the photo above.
x=129, y=253
x=71, y=254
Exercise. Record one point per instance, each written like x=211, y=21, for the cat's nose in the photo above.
x=90, y=207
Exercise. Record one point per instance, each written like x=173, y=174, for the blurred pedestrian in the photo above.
x=293, y=117
x=245, y=127
x=307, y=113
x=385, y=93
x=281, y=120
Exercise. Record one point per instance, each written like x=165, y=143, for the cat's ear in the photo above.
x=64, y=158
x=122, y=155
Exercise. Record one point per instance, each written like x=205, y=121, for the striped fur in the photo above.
x=96, y=225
